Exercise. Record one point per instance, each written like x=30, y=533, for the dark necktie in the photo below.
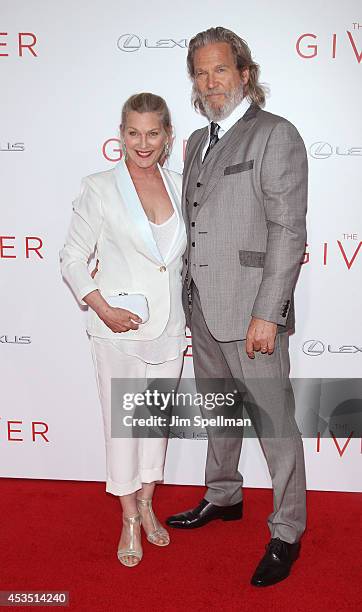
x=214, y=138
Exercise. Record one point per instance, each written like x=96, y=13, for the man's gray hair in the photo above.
x=242, y=55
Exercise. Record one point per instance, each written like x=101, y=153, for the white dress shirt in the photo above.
x=226, y=124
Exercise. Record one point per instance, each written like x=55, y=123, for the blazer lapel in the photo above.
x=179, y=238
x=137, y=215
x=213, y=166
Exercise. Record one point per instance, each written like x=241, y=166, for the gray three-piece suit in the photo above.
x=245, y=209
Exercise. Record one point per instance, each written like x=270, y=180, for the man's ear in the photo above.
x=245, y=75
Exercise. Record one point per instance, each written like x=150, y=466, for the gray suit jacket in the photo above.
x=249, y=230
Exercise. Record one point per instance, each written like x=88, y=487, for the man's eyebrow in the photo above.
x=217, y=66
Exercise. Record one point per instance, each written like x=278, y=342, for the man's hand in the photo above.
x=260, y=337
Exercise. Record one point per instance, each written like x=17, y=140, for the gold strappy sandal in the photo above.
x=159, y=531
x=131, y=551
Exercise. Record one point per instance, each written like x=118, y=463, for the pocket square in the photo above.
x=252, y=259
x=247, y=165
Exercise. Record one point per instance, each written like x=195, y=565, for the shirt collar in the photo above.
x=228, y=122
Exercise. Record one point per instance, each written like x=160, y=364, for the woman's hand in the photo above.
x=94, y=272
x=117, y=319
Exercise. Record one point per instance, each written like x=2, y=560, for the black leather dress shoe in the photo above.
x=276, y=563
x=204, y=513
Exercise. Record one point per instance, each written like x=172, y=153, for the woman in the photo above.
x=131, y=216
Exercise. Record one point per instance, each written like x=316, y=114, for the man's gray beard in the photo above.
x=233, y=99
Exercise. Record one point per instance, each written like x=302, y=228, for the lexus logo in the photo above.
x=133, y=42
x=8, y=339
x=316, y=347
x=323, y=150
x=129, y=42
x=313, y=348
x=12, y=146
x=320, y=150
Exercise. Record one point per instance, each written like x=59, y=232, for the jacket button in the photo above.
x=163, y=269
x=192, y=244
x=198, y=184
x=195, y=203
x=193, y=224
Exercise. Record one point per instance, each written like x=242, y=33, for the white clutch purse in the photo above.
x=135, y=302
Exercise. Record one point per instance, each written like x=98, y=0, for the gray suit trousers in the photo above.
x=269, y=401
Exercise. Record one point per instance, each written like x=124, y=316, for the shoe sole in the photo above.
x=226, y=517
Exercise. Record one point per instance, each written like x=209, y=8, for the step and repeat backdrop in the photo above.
x=66, y=68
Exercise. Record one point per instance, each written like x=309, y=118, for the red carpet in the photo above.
x=63, y=535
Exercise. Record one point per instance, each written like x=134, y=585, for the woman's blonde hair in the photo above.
x=146, y=102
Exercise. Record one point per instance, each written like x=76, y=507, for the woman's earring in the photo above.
x=124, y=150
x=166, y=149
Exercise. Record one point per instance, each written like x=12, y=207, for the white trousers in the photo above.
x=129, y=461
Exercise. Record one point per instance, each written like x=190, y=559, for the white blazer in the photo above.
x=108, y=218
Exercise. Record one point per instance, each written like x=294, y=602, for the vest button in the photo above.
x=195, y=203
x=163, y=269
x=193, y=224
x=193, y=244
x=198, y=184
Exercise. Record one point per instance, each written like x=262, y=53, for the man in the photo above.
x=244, y=202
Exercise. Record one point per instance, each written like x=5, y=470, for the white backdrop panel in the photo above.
x=61, y=102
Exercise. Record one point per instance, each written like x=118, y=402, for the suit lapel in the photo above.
x=138, y=219
x=213, y=166
x=179, y=240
